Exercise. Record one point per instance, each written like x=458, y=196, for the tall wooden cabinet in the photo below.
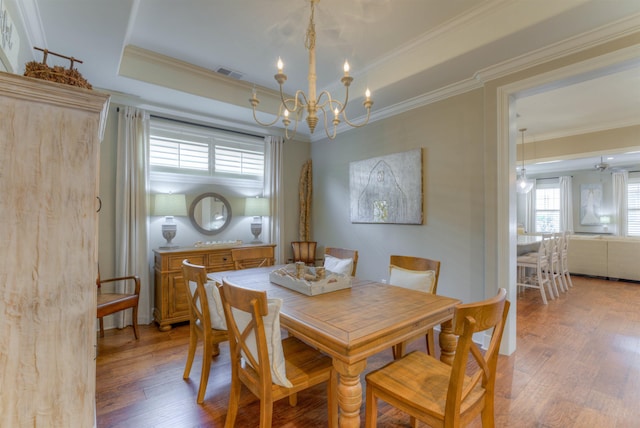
x=171, y=305
x=49, y=150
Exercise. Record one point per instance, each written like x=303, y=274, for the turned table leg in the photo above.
x=448, y=342
x=349, y=392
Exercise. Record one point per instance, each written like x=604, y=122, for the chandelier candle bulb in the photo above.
x=346, y=68
x=280, y=65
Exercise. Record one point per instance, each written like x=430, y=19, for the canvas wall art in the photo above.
x=387, y=189
x=590, y=202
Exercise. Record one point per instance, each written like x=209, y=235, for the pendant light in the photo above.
x=522, y=184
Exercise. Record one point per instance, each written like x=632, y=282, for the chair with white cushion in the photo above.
x=416, y=273
x=533, y=271
x=341, y=260
x=206, y=321
x=271, y=368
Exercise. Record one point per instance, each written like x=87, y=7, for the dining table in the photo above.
x=528, y=243
x=354, y=323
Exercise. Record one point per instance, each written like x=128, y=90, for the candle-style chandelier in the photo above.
x=294, y=108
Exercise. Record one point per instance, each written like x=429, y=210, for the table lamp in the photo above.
x=169, y=205
x=605, y=220
x=256, y=207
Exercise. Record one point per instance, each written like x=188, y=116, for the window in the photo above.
x=177, y=148
x=548, y=208
x=633, y=207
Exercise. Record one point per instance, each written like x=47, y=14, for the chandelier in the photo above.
x=295, y=108
x=522, y=184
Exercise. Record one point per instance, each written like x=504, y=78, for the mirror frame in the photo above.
x=192, y=209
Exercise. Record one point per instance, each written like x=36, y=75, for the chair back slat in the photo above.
x=469, y=319
x=250, y=257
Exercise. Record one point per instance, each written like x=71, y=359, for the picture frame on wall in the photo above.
x=590, y=204
x=387, y=189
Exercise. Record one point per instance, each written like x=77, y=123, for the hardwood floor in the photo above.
x=577, y=364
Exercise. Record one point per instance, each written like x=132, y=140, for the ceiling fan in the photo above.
x=601, y=166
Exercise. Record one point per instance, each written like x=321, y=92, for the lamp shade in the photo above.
x=605, y=219
x=170, y=205
x=256, y=207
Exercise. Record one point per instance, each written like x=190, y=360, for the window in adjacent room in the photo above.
x=197, y=151
x=547, y=208
x=633, y=206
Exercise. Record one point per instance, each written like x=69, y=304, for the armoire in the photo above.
x=50, y=137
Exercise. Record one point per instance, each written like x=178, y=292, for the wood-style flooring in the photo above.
x=577, y=364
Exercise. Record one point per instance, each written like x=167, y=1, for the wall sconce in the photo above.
x=256, y=207
x=605, y=220
x=169, y=205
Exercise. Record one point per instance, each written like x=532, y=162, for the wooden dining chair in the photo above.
x=202, y=316
x=304, y=251
x=419, y=274
x=250, y=257
x=271, y=368
x=111, y=303
x=341, y=257
x=436, y=393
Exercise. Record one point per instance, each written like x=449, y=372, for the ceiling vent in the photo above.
x=229, y=73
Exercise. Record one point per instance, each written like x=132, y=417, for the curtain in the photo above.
x=305, y=192
x=131, y=208
x=620, y=180
x=273, y=191
x=566, y=204
x=530, y=210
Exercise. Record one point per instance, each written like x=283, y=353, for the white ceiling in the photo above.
x=407, y=51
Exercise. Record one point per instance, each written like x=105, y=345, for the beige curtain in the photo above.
x=131, y=208
x=305, y=193
x=273, y=190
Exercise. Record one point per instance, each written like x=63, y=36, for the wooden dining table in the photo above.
x=354, y=323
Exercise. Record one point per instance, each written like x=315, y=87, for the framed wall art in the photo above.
x=590, y=204
x=387, y=189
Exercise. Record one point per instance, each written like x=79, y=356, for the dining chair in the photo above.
x=270, y=367
x=341, y=260
x=553, y=253
x=564, y=260
x=111, y=303
x=304, y=251
x=537, y=263
x=419, y=274
x=205, y=310
x=436, y=393
x=250, y=257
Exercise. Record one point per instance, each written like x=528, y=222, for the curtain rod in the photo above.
x=155, y=116
x=206, y=126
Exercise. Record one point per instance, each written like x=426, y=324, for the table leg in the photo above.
x=349, y=392
x=448, y=342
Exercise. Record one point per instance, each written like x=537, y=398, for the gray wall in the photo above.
x=450, y=133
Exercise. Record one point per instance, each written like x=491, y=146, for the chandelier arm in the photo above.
x=354, y=125
x=263, y=123
x=335, y=122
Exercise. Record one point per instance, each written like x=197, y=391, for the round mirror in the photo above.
x=210, y=213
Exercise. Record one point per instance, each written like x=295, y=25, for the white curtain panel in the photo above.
x=131, y=207
x=530, y=209
x=566, y=204
x=620, y=180
x=273, y=190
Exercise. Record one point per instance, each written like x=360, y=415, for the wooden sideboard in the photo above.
x=171, y=305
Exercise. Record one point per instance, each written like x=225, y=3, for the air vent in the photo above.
x=230, y=73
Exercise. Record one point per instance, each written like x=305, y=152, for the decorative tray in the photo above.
x=217, y=244
x=309, y=280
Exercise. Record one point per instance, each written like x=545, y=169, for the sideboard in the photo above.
x=171, y=304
